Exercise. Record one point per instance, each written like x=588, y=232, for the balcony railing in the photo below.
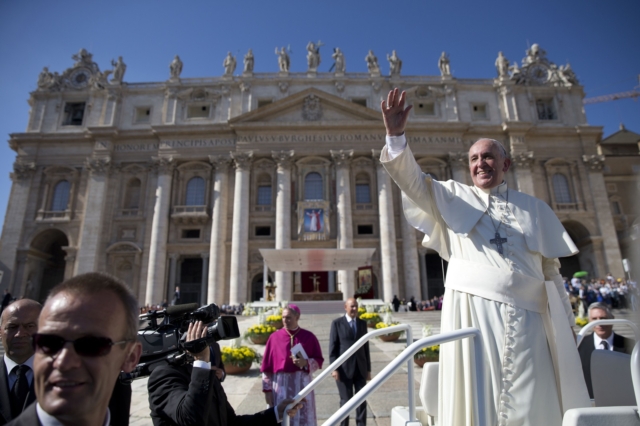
x=562, y=207
x=190, y=214
x=54, y=216
x=362, y=206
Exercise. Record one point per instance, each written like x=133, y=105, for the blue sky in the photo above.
x=600, y=39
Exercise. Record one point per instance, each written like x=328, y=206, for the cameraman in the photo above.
x=186, y=395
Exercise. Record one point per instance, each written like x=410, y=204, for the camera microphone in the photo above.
x=178, y=310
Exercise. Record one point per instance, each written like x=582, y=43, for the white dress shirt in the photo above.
x=48, y=420
x=597, y=341
x=11, y=364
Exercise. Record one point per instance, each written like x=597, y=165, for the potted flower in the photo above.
x=391, y=337
x=259, y=334
x=371, y=318
x=361, y=310
x=238, y=360
x=581, y=321
x=428, y=354
x=275, y=321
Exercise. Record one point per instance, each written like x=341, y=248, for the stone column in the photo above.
x=216, y=282
x=508, y=102
x=410, y=260
x=524, y=177
x=424, y=285
x=459, y=163
x=388, y=251
x=16, y=211
x=594, y=164
x=240, y=231
x=284, y=160
x=342, y=159
x=159, y=231
x=205, y=269
x=89, y=242
x=173, y=272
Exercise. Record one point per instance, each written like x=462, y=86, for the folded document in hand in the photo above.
x=298, y=352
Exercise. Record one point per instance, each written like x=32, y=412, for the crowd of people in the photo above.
x=616, y=293
x=413, y=305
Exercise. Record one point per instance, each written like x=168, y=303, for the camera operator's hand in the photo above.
x=198, y=330
x=218, y=371
x=292, y=412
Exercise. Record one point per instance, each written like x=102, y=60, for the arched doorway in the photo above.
x=46, y=263
x=585, y=260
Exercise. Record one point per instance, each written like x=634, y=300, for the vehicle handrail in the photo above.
x=635, y=371
x=357, y=345
x=590, y=326
x=477, y=367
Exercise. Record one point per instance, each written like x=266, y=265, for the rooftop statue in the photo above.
x=313, y=56
x=229, y=64
x=82, y=58
x=283, y=59
x=443, y=64
x=175, y=68
x=338, y=57
x=395, y=64
x=534, y=54
x=502, y=66
x=46, y=79
x=119, y=68
x=372, y=63
x=248, y=62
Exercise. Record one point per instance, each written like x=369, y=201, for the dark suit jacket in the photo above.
x=5, y=402
x=216, y=358
x=185, y=396
x=620, y=344
x=29, y=417
x=340, y=339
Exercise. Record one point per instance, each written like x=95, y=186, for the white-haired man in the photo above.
x=503, y=278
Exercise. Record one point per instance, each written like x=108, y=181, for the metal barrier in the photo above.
x=590, y=326
x=357, y=345
x=479, y=403
x=635, y=371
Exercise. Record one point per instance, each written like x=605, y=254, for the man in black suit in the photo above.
x=6, y=299
x=188, y=394
x=355, y=372
x=17, y=322
x=603, y=338
x=87, y=335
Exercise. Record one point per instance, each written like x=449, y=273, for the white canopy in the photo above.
x=295, y=260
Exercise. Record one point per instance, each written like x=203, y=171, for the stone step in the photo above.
x=321, y=307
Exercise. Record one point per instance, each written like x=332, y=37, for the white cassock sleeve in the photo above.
x=551, y=270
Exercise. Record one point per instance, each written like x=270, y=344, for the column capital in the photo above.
x=523, y=159
x=164, y=165
x=174, y=256
x=284, y=159
x=458, y=158
x=375, y=155
x=23, y=170
x=220, y=162
x=242, y=159
x=98, y=166
x=593, y=162
x=342, y=157
x=204, y=255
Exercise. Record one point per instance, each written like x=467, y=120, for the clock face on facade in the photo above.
x=80, y=77
x=539, y=73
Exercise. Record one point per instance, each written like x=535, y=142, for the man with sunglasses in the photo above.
x=86, y=336
x=18, y=322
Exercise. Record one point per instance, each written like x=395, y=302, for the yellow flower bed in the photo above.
x=581, y=321
x=370, y=317
x=260, y=330
x=361, y=311
x=239, y=356
x=274, y=318
x=428, y=352
x=385, y=325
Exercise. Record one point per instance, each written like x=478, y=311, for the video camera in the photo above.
x=165, y=342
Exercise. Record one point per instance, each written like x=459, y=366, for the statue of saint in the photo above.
x=248, y=62
x=82, y=58
x=339, y=64
x=229, y=64
x=313, y=56
x=567, y=75
x=372, y=63
x=45, y=79
x=443, y=64
x=534, y=54
x=395, y=64
x=502, y=65
x=175, y=68
x=283, y=59
x=119, y=68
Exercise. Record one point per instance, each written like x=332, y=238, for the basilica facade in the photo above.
x=180, y=183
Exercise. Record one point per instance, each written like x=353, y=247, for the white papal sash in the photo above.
x=532, y=294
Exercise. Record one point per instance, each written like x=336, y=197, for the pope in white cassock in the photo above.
x=503, y=278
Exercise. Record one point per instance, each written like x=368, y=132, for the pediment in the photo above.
x=310, y=106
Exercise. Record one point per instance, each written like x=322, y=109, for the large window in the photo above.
x=561, y=189
x=60, y=199
x=363, y=191
x=313, y=187
x=73, y=113
x=132, y=194
x=195, y=192
x=264, y=190
x=546, y=110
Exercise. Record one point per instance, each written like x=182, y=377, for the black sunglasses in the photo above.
x=89, y=346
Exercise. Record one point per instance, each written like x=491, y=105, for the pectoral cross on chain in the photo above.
x=498, y=241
